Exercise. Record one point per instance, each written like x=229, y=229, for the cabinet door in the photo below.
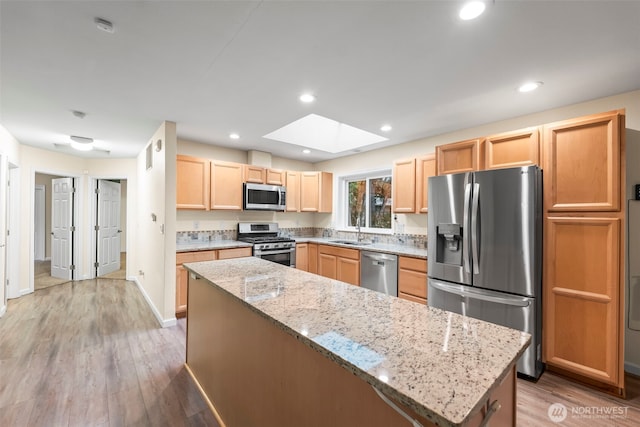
x=425, y=167
x=302, y=256
x=582, y=294
x=512, y=149
x=410, y=297
x=254, y=174
x=404, y=186
x=313, y=258
x=464, y=156
x=234, y=253
x=182, y=278
x=293, y=191
x=348, y=270
x=275, y=176
x=309, y=192
x=325, y=204
x=327, y=265
x=582, y=164
x=192, y=183
x=226, y=185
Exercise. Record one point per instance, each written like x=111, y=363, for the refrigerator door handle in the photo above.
x=474, y=228
x=479, y=295
x=465, y=235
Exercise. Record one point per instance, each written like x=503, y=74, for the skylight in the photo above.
x=320, y=133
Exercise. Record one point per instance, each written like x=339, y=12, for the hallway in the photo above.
x=91, y=353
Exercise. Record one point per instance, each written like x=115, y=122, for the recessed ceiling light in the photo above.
x=104, y=25
x=234, y=136
x=385, y=128
x=81, y=143
x=529, y=86
x=306, y=151
x=471, y=10
x=307, y=98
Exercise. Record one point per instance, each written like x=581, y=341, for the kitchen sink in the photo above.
x=350, y=242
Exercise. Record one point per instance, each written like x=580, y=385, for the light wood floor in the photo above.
x=42, y=273
x=91, y=353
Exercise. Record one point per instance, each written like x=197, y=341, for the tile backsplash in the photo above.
x=416, y=240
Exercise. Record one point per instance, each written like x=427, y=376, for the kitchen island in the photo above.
x=274, y=346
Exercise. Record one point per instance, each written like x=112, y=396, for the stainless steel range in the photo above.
x=267, y=244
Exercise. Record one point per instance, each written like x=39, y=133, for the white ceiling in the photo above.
x=216, y=67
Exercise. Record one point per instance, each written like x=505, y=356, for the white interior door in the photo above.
x=108, y=233
x=39, y=214
x=61, y=228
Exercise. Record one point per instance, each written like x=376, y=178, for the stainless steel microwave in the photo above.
x=261, y=197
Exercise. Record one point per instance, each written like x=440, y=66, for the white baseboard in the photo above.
x=3, y=310
x=632, y=368
x=163, y=322
x=24, y=292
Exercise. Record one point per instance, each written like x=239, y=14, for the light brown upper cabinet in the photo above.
x=582, y=163
x=192, y=182
x=425, y=167
x=410, y=189
x=226, y=185
x=275, y=176
x=464, y=156
x=293, y=191
x=254, y=174
x=316, y=191
x=404, y=186
x=512, y=149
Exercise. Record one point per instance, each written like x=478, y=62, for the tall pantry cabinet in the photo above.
x=583, y=286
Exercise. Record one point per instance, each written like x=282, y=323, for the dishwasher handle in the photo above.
x=379, y=257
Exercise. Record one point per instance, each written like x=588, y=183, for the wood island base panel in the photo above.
x=271, y=345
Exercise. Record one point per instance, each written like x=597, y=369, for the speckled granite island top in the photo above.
x=440, y=364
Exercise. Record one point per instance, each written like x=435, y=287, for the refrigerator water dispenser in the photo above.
x=449, y=248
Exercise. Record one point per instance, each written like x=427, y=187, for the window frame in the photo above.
x=343, y=201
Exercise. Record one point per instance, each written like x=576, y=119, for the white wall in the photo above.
x=9, y=153
x=155, y=262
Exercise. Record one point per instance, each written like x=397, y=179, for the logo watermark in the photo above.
x=558, y=412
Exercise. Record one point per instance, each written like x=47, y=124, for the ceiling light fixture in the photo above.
x=104, y=25
x=385, y=128
x=234, y=136
x=529, y=86
x=471, y=10
x=81, y=143
x=307, y=98
x=306, y=151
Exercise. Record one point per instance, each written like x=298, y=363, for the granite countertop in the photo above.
x=210, y=245
x=405, y=250
x=442, y=365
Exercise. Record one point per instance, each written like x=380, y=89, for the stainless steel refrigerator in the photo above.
x=485, y=250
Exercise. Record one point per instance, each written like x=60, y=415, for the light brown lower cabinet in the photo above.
x=582, y=298
x=412, y=279
x=313, y=258
x=339, y=263
x=197, y=256
x=302, y=256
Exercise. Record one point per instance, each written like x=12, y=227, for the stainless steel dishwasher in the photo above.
x=379, y=272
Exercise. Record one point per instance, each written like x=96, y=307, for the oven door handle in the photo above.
x=280, y=251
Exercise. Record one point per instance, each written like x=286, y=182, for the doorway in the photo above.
x=109, y=258
x=55, y=212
